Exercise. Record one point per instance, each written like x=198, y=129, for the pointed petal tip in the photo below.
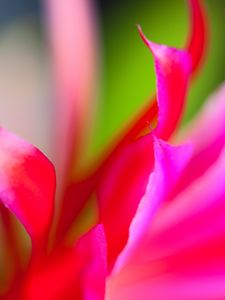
x=160, y=52
x=147, y=42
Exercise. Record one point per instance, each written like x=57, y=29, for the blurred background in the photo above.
x=127, y=74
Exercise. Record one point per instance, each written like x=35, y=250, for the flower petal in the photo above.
x=72, y=34
x=183, y=255
x=172, y=68
x=196, y=47
x=198, y=37
x=195, y=217
x=120, y=189
x=96, y=270
x=169, y=162
x=27, y=184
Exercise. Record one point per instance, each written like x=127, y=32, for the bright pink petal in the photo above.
x=185, y=244
x=169, y=162
x=72, y=30
x=27, y=184
x=172, y=68
x=74, y=273
x=122, y=186
x=183, y=256
x=195, y=218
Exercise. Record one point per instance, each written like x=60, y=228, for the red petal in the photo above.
x=122, y=185
x=198, y=37
x=94, y=276
x=27, y=184
x=75, y=273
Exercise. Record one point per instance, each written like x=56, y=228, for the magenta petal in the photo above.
x=173, y=73
x=27, y=184
x=169, y=162
x=183, y=254
x=94, y=275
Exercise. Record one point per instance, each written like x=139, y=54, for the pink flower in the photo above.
x=160, y=224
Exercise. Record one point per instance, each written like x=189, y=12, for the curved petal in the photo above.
x=196, y=216
x=27, y=184
x=198, y=36
x=172, y=68
x=196, y=48
x=169, y=162
x=183, y=255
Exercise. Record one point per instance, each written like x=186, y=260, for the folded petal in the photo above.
x=27, y=184
x=172, y=67
x=169, y=162
x=196, y=48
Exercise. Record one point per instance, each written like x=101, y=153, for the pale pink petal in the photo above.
x=72, y=32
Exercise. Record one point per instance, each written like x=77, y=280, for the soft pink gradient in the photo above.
x=160, y=228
